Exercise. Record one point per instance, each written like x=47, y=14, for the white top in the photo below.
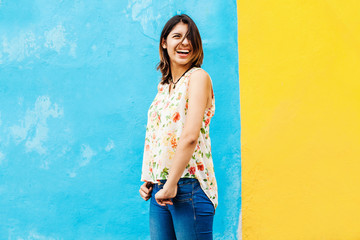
x=166, y=120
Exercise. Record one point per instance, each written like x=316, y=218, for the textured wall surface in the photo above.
x=76, y=81
x=300, y=115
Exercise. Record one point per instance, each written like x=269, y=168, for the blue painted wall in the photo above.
x=76, y=81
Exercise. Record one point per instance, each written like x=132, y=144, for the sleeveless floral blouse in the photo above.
x=166, y=120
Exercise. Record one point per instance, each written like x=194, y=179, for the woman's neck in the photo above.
x=178, y=71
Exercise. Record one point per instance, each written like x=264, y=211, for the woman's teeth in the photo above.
x=183, y=52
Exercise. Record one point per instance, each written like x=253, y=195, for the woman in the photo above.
x=177, y=170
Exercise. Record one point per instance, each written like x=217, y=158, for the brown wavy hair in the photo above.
x=193, y=35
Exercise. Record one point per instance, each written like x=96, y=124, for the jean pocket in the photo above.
x=183, y=197
x=184, y=193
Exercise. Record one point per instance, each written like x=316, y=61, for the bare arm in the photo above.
x=199, y=88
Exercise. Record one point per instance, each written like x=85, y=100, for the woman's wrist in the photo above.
x=170, y=183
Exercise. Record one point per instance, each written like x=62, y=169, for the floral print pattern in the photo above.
x=166, y=120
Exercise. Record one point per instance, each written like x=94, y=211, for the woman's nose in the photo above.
x=185, y=42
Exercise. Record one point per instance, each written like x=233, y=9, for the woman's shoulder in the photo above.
x=199, y=73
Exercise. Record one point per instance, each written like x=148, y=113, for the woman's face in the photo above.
x=179, y=53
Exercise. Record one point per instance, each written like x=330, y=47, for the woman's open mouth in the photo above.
x=183, y=53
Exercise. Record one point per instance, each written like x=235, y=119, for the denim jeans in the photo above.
x=190, y=217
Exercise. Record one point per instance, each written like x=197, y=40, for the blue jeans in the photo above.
x=190, y=217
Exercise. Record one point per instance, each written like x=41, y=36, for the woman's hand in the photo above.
x=145, y=190
x=165, y=195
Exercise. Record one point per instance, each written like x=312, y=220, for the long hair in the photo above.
x=192, y=35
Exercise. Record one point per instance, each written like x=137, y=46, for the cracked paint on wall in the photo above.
x=32, y=235
x=33, y=127
x=2, y=157
x=144, y=12
x=19, y=47
x=110, y=146
x=55, y=38
x=77, y=79
x=27, y=45
x=86, y=155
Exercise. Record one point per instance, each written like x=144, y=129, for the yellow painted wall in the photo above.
x=299, y=66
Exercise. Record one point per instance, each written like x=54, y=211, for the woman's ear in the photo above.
x=163, y=44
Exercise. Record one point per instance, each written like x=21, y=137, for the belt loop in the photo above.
x=192, y=188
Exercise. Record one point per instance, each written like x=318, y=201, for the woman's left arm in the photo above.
x=199, y=88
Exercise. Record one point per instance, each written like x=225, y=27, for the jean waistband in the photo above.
x=181, y=181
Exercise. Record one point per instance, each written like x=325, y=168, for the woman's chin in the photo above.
x=182, y=62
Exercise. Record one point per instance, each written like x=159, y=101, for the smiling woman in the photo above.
x=178, y=170
x=180, y=41
x=177, y=45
